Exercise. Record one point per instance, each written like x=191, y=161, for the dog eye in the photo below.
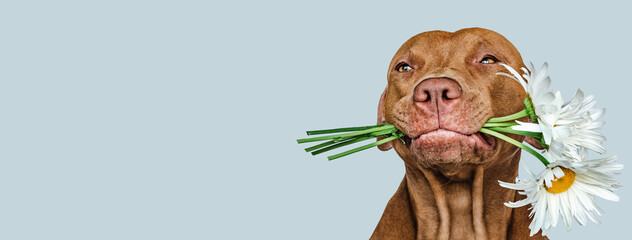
x=489, y=60
x=403, y=67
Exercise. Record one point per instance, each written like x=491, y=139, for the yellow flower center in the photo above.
x=560, y=185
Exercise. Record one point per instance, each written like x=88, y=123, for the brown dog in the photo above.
x=441, y=88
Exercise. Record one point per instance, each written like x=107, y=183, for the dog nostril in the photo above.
x=449, y=94
x=427, y=97
x=422, y=96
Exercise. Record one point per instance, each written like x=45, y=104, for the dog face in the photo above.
x=442, y=87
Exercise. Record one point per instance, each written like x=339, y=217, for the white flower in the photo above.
x=571, y=127
x=579, y=117
x=567, y=189
x=566, y=128
x=537, y=87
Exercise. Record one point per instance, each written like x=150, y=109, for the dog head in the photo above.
x=442, y=87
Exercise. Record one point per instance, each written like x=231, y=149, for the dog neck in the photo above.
x=466, y=203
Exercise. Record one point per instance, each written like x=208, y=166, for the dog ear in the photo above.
x=533, y=142
x=381, y=119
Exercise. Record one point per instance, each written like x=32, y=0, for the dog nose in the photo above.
x=436, y=93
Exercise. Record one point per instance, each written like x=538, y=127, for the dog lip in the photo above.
x=441, y=129
x=481, y=140
x=488, y=141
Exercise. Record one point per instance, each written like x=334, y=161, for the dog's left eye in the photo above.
x=489, y=60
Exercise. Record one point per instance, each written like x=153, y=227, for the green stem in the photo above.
x=337, y=130
x=511, y=117
x=382, y=133
x=339, y=155
x=528, y=104
x=342, y=137
x=322, y=145
x=514, y=142
x=367, y=136
x=535, y=135
x=504, y=124
x=341, y=144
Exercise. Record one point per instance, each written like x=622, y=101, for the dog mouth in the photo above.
x=443, y=139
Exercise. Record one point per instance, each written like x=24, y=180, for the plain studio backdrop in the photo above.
x=178, y=119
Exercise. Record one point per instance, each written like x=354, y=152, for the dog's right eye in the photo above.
x=403, y=67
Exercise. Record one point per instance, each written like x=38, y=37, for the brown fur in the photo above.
x=451, y=191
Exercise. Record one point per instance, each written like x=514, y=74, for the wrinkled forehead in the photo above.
x=462, y=42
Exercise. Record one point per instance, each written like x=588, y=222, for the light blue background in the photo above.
x=178, y=119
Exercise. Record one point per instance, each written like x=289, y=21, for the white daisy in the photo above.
x=568, y=189
x=580, y=118
x=573, y=124
x=537, y=87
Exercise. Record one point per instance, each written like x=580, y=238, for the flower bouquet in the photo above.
x=565, y=131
